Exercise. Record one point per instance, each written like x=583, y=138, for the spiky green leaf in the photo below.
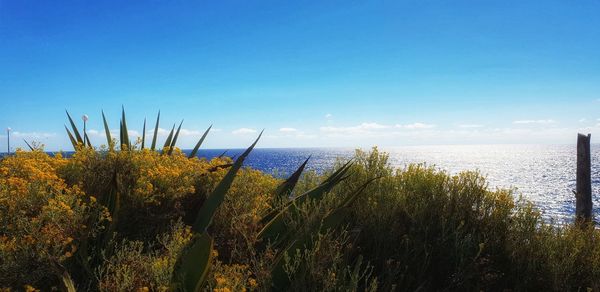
x=144, y=134
x=75, y=130
x=73, y=141
x=107, y=131
x=217, y=196
x=172, y=146
x=153, y=146
x=28, y=145
x=193, y=265
x=168, y=141
x=276, y=230
x=195, y=150
x=223, y=154
x=333, y=219
x=285, y=189
x=125, y=134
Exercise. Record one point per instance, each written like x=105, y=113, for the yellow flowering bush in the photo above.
x=154, y=189
x=41, y=218
x=237, y=221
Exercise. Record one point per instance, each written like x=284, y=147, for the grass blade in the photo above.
x=109, y=140
x=217, y=196
x=153, y=146
x=195, y=150
x=192, y=266
x=144, y=134
x=74, y=127
x=175, y=139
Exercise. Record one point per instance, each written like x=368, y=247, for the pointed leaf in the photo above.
x=285, y=189
x=153, y=146
x=74, y=127
x=193, y=264
x=73, y=141
x=68, y=283
x=217, y=196
x=195, y=150
x=332, y=220
x=125, y=133
x=275, y=231
x=87, y=139
x=223, y=154
x=175, y=139
x=121, y=138
x=168, y=141
x=107, y=131
x=144, y=134
x=30, y=148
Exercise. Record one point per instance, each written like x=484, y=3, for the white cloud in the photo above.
x=133, y=133
x=288, y=130
x=360, y=129
x=32, y=135
x=328, y=116
x=470, y=126
x=541, y=122
x=416, y=126
x=243, y=131
x=582, y=120
x=187, y=132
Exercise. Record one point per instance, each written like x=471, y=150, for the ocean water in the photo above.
x=543, y=174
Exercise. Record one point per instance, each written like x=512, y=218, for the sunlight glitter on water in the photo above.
x=543, y=174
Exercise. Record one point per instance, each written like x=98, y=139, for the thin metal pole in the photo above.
x=8, y=141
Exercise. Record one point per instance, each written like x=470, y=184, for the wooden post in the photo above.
x=583, y=193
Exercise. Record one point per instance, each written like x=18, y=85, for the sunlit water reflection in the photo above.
x=544, y=174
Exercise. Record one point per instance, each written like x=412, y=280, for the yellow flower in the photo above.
x=252, y=283
x=221, y=280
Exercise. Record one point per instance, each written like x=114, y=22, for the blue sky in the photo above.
x=318, y=73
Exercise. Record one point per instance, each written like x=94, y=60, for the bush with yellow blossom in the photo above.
x=41, y=219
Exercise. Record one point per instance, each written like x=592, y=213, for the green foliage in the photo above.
x=139, y=221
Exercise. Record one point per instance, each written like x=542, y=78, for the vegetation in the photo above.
x=132, y=218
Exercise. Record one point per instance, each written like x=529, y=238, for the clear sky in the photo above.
x=318, y=73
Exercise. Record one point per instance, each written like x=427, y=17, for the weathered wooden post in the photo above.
x=583, y=193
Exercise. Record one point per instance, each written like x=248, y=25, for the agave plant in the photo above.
x=194, y=262
x=79, y=140
x=278, y=234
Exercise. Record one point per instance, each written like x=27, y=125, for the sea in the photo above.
x=542, y=174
